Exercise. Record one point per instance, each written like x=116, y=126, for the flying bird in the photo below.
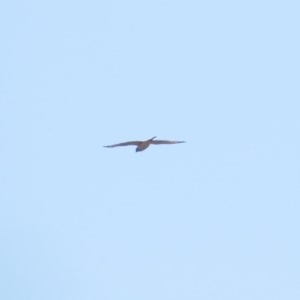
x=142, y=145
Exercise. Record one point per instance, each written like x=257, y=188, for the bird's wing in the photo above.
x=160, y=142
x=131, y=143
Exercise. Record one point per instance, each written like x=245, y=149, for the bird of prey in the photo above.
x=142, y=145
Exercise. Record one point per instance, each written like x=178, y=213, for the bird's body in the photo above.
x=142, y=145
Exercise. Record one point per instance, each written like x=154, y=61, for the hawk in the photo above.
x=142, y=145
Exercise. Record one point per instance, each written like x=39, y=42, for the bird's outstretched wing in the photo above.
x=160, y=142
x=131, y=143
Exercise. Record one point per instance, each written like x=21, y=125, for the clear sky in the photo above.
x=216, y=218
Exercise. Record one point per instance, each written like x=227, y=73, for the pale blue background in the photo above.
x=215, y=218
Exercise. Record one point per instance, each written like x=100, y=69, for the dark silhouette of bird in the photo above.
x=142, y=145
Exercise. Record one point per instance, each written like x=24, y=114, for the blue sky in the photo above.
x=215, y=218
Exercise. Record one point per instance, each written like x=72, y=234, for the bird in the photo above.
x=143, y=145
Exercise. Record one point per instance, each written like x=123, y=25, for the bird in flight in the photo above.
x=142, y=145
